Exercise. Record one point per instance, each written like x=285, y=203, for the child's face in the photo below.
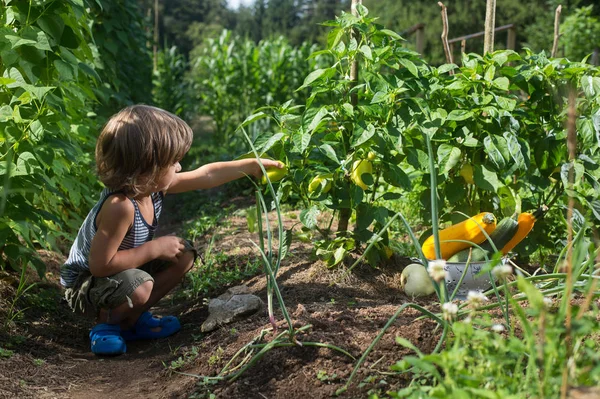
x=167, y=178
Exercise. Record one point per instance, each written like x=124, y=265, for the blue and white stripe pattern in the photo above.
x=139, y=233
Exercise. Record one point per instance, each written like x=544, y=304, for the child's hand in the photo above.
x=169, y=247
x=267, y=163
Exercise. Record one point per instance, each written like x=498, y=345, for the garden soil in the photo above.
x=51, y=358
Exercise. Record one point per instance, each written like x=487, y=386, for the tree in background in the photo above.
x=581, y=34
x=184, y=23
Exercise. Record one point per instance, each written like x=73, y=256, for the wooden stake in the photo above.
x=445, y=33
x=490, y=23
x=556, y=31
x=511, y=39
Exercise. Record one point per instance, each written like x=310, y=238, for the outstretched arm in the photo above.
x=218, y=173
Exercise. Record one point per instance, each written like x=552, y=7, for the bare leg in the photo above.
x=123, y=313
x=168, y=279
x=147, y=294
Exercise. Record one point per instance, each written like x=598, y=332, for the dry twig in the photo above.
x=556, y=31
x=445, y=34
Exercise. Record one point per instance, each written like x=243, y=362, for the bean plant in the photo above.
x=60, y=77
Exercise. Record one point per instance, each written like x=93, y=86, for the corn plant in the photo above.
x=232, y=76
x=170, y=89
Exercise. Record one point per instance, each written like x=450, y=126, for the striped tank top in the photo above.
x=139, y=233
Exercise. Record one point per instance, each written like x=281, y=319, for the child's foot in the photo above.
x=148, y=326
x=106, y=340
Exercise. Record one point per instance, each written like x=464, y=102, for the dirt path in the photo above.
x=51, y=356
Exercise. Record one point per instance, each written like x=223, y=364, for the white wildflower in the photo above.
x=449, y=311
x=476, y=298
x=497, y=328
x=547, y=302
x=502, y=272
x=436, y=270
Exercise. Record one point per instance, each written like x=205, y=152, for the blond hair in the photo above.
x=137, y=145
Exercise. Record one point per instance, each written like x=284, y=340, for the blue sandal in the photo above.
x=142, y=329
x=106, y=340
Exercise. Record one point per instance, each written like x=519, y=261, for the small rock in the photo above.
x=233, y=305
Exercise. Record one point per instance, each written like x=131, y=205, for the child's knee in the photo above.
x=186, y=261
x=142, y=293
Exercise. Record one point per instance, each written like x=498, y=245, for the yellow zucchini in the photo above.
x=470, y=230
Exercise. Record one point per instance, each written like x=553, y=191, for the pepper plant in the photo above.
x=496, y=127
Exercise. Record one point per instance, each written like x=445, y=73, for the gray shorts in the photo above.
x=89, y=294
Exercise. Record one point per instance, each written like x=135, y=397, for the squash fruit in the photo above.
x=415, y=281
x=470, y=230
x=502, y=234
x=526, y=220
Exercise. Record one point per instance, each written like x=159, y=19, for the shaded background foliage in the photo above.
x=185, y=23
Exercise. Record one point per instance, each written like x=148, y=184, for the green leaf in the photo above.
x=329, y=152
x=339, y=255
x=391, y=196
x=309, y=216
x=501, y=83
x=26, y=163
x=318, y=74
x=366, y=51
x=252, y=118
x=37, y=130
x=267, y=145
x=514, y=148
x=578, y=171
x=362, y=135
x=42, y=42
x=88, y=70
x=486, y=179
x=17, y=41
x=52, y=24
x=379, y=97
x=65, y=73
x=397, y=177
x=448, y=157
x=534, y=296
x=459, y=115
x=391, y=33
x=590, y=86
x=490, y=73
x=317, y=119
x=334, y=37
x=410, y=66
x=492, y=144
x=446, y=68
x=509, y=204
x=508, y=104
x=301, y=140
